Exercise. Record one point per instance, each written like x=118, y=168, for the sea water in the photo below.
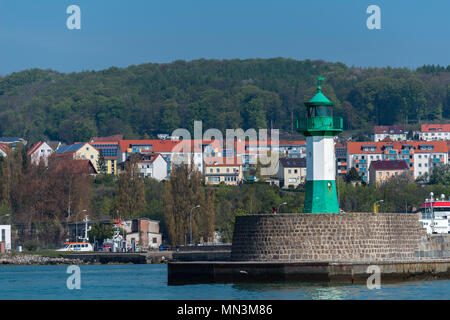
x=129, y=281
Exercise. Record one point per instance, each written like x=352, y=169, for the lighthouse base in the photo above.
x=321, y=197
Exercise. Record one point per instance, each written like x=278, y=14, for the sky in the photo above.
x=33, y=33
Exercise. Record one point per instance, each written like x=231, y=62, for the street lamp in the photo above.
x=278, y=208
x=375, y=207
x=76, y=224
x=190, y=222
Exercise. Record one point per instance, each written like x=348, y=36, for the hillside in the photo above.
x=141, y=101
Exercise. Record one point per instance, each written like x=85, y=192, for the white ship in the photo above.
x=435, y=215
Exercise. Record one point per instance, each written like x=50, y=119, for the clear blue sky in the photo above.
x=120, y=33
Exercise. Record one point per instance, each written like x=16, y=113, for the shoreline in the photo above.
x=36, y=259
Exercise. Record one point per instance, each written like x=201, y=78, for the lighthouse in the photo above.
x=319, y=127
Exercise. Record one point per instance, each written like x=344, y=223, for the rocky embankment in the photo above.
x=34, y=259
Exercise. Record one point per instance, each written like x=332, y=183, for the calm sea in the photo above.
x=130, y=281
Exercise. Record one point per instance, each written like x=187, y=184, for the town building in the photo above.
x=143, y=232
x=151, y=165
x=395, y=133
x=381, y=171
x=291, y=172
x=40, y=151
x=290, y=149
x=340, y=150
x=5, y=236
x=434, y=132
x=421, y=156
x=13, y=142
x=4, y=149
x=224, y=170
x=79, y=151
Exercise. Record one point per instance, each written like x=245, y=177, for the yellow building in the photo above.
x=381, y=171
x=291, y=171
x=79, y=151
x=229, y=172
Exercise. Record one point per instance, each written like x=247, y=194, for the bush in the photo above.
x=31, y=245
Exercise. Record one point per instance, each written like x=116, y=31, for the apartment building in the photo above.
x=79, y=151
x=341, y=158
x=420, y=156
x=434, y=132
x=395, y=133
x=291, y=171
x=381, y=171
x=228, y=171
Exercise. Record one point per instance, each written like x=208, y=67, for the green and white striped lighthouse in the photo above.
x=319, y=128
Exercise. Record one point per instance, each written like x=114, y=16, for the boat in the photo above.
x=82, y=246
x=435, y=215
x=77, y=247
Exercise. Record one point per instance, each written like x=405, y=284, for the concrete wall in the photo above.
x=434, y=246
x=327, y=237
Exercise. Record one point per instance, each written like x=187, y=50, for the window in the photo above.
x=210, y=170
x=217, y=170
x=228, y=169
x=155, y=240
x=3, y=236
x=380, y=174
x=387, y=174
x=420, y=165
x=295, y=171
x=92, y=157
x=289, y=171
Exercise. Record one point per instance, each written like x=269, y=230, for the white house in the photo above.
x=153, y=165
x=5, y=235
x=40, y=150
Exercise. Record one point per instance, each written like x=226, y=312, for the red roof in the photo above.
x=435, y=128
x=77, y=166
x=389, y=165
x=149, y=157
x=4, y=147
x=35, y=147
x=114, y=138
x=158, y=145
x=388, y=129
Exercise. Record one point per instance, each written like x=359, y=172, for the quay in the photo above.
x=180, y=273
x=324, y=248
x=194, y=254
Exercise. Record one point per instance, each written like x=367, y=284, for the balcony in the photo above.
x=317, y=124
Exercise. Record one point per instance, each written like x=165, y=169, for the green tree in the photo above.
x=101, y=163
x=130, y=198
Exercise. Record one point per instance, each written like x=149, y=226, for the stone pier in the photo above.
x=324, y=247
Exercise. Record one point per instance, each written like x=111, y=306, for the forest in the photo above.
x=142, y=101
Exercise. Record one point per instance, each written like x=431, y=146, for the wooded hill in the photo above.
x=141, y=101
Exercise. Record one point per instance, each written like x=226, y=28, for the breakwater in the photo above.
x=327, y=237
x=324, y=247
x=34, y=259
